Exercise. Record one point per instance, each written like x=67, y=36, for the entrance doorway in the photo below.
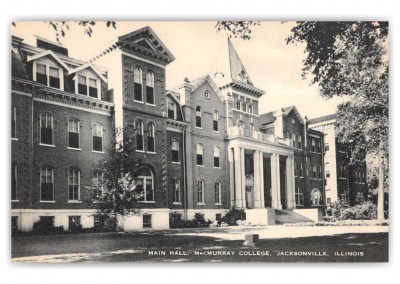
x=249, y=197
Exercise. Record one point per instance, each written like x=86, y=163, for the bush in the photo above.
x=175, y=221
x=233, y=216
x=342, y=211
x=45, y=226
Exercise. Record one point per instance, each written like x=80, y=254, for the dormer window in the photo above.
x=47, y=75
x=171, y=109
x=87, y=86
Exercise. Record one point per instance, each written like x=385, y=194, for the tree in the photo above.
x=236, y=29
x=114, y=188
x=351, y=59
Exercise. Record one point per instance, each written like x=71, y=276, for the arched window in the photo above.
x=244, y=107
x=137, y=82
x=299, y=196
x=145, y=184
x=200, y=191
x=175, y=151
x=73, y=133
x=240, y=124
x=176, y=187
x=199, y=153
x=215, y=120
x=150, y=87
x=139, y=135
x=151, y=138
x=315, y=197
x=238, y=105
x=250, y=109
x=216, y=157
x=46, y=184
x=97, y=133
x=199, y=114
x=74, y=180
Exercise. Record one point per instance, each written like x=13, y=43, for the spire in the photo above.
x=238, y=72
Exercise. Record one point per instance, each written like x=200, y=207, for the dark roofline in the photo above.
x=322, y=118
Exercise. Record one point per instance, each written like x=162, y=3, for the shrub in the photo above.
x=342, y=211
x=45, y=226
x=176, y=221
x=233, y=215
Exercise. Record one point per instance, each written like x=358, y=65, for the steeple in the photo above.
x=237, y=70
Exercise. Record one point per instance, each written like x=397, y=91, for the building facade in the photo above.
x=204, y=145
x=344, y=181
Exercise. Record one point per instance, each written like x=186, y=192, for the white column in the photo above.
x=231, y=177
x=262, y=205
x=256, y=187
x=275, y=182
x=290, y=203
x=238, y=183
x=243, y=177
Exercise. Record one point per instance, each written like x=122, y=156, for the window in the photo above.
x=139, y=135
x=137, y=84
x=14, y=122
x=175, y=151
x=326, y=147
x=238, y=104
x=299, y=145
x=171, y=109
x=151, y=138
x=216, y=157
x=74, y=222
x=359, y=198
x=295, y=169
x=327, y=174
x=299, y=197
x=343, y=196
x=217, y=188
x=145, y=182
x=316, y=197
x=215, y=120
x=342, y=171
x=312, y=145
x=48, y=75
x=199, y=152
x=46, y=129
x=176, y=187
x=87, y=86
x=97, y=184
x=307, y=166
x=74, y=178
x=320, y=172
x=146, y=220
x=244, y=107
x=150, y=88
x=198, y=116
x=14, y=178
x=301, y=170
x=314, y=171
x=292, y=139
x=318, y=146
x=97, y=133
x=73, y=133
x=200, y=191
x=46, y=184
x=250, y=109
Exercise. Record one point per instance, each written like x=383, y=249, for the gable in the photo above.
x=48, y=55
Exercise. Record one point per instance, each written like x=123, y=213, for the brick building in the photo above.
x=204, y=145
x=344, y=181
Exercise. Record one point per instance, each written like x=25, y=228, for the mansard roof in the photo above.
x=146, y=43
x=322, y=118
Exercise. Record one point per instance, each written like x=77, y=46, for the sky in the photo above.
x=272, y=65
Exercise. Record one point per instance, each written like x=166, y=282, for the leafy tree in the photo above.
x=236, y=29
x=351, y=59
x=115, y=191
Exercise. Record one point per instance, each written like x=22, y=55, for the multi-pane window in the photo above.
x=238, y=104
x=199, y=114
x=250, y=109
x=315, y=197
x=97, y=133
x=147, y=221
x=97, y=184
x=137, y=84
x=318, y=146
x=199, y=154
x=299, y=196
x=171, y=109
x=46, y=184
x=73, y=133
x=299, y=142
x=314, y=171
x=244, y=107
x=87, y=86
x=14, y=122
x=217, y=191
x=217, y=153
x=215, y=120
x=145, y=184
x=48, y=75
x=176, y=187
x=14, y=177
x=175, y=151
x=46, y=129
x=151, y=138
x=150, y=87
x=200, y=191
x=139, y=135
x=74, y=178
x=312, y=145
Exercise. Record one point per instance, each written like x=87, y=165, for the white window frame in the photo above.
x=314, y=191
x=199, y=113
x=216, y=119
x=52, y=181
x=200, y=192
x=144, y=185
x=173, y=104
x=60, y=70
x=217, y=193
x=140, y=76
x=137, y=123
x=52, y=129
x=200, y=148
x=98, y=177
x=76, y=173
x=176, y=184
x=216, y=154
x=150, y=78
x=98, y=85
x=151, y=133
x=15, y=167
x=96, y=130
x=299, y=196
x=175, y=142
x=79, y=132
x=14, y=121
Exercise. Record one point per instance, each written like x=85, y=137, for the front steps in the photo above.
x=289, y=217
